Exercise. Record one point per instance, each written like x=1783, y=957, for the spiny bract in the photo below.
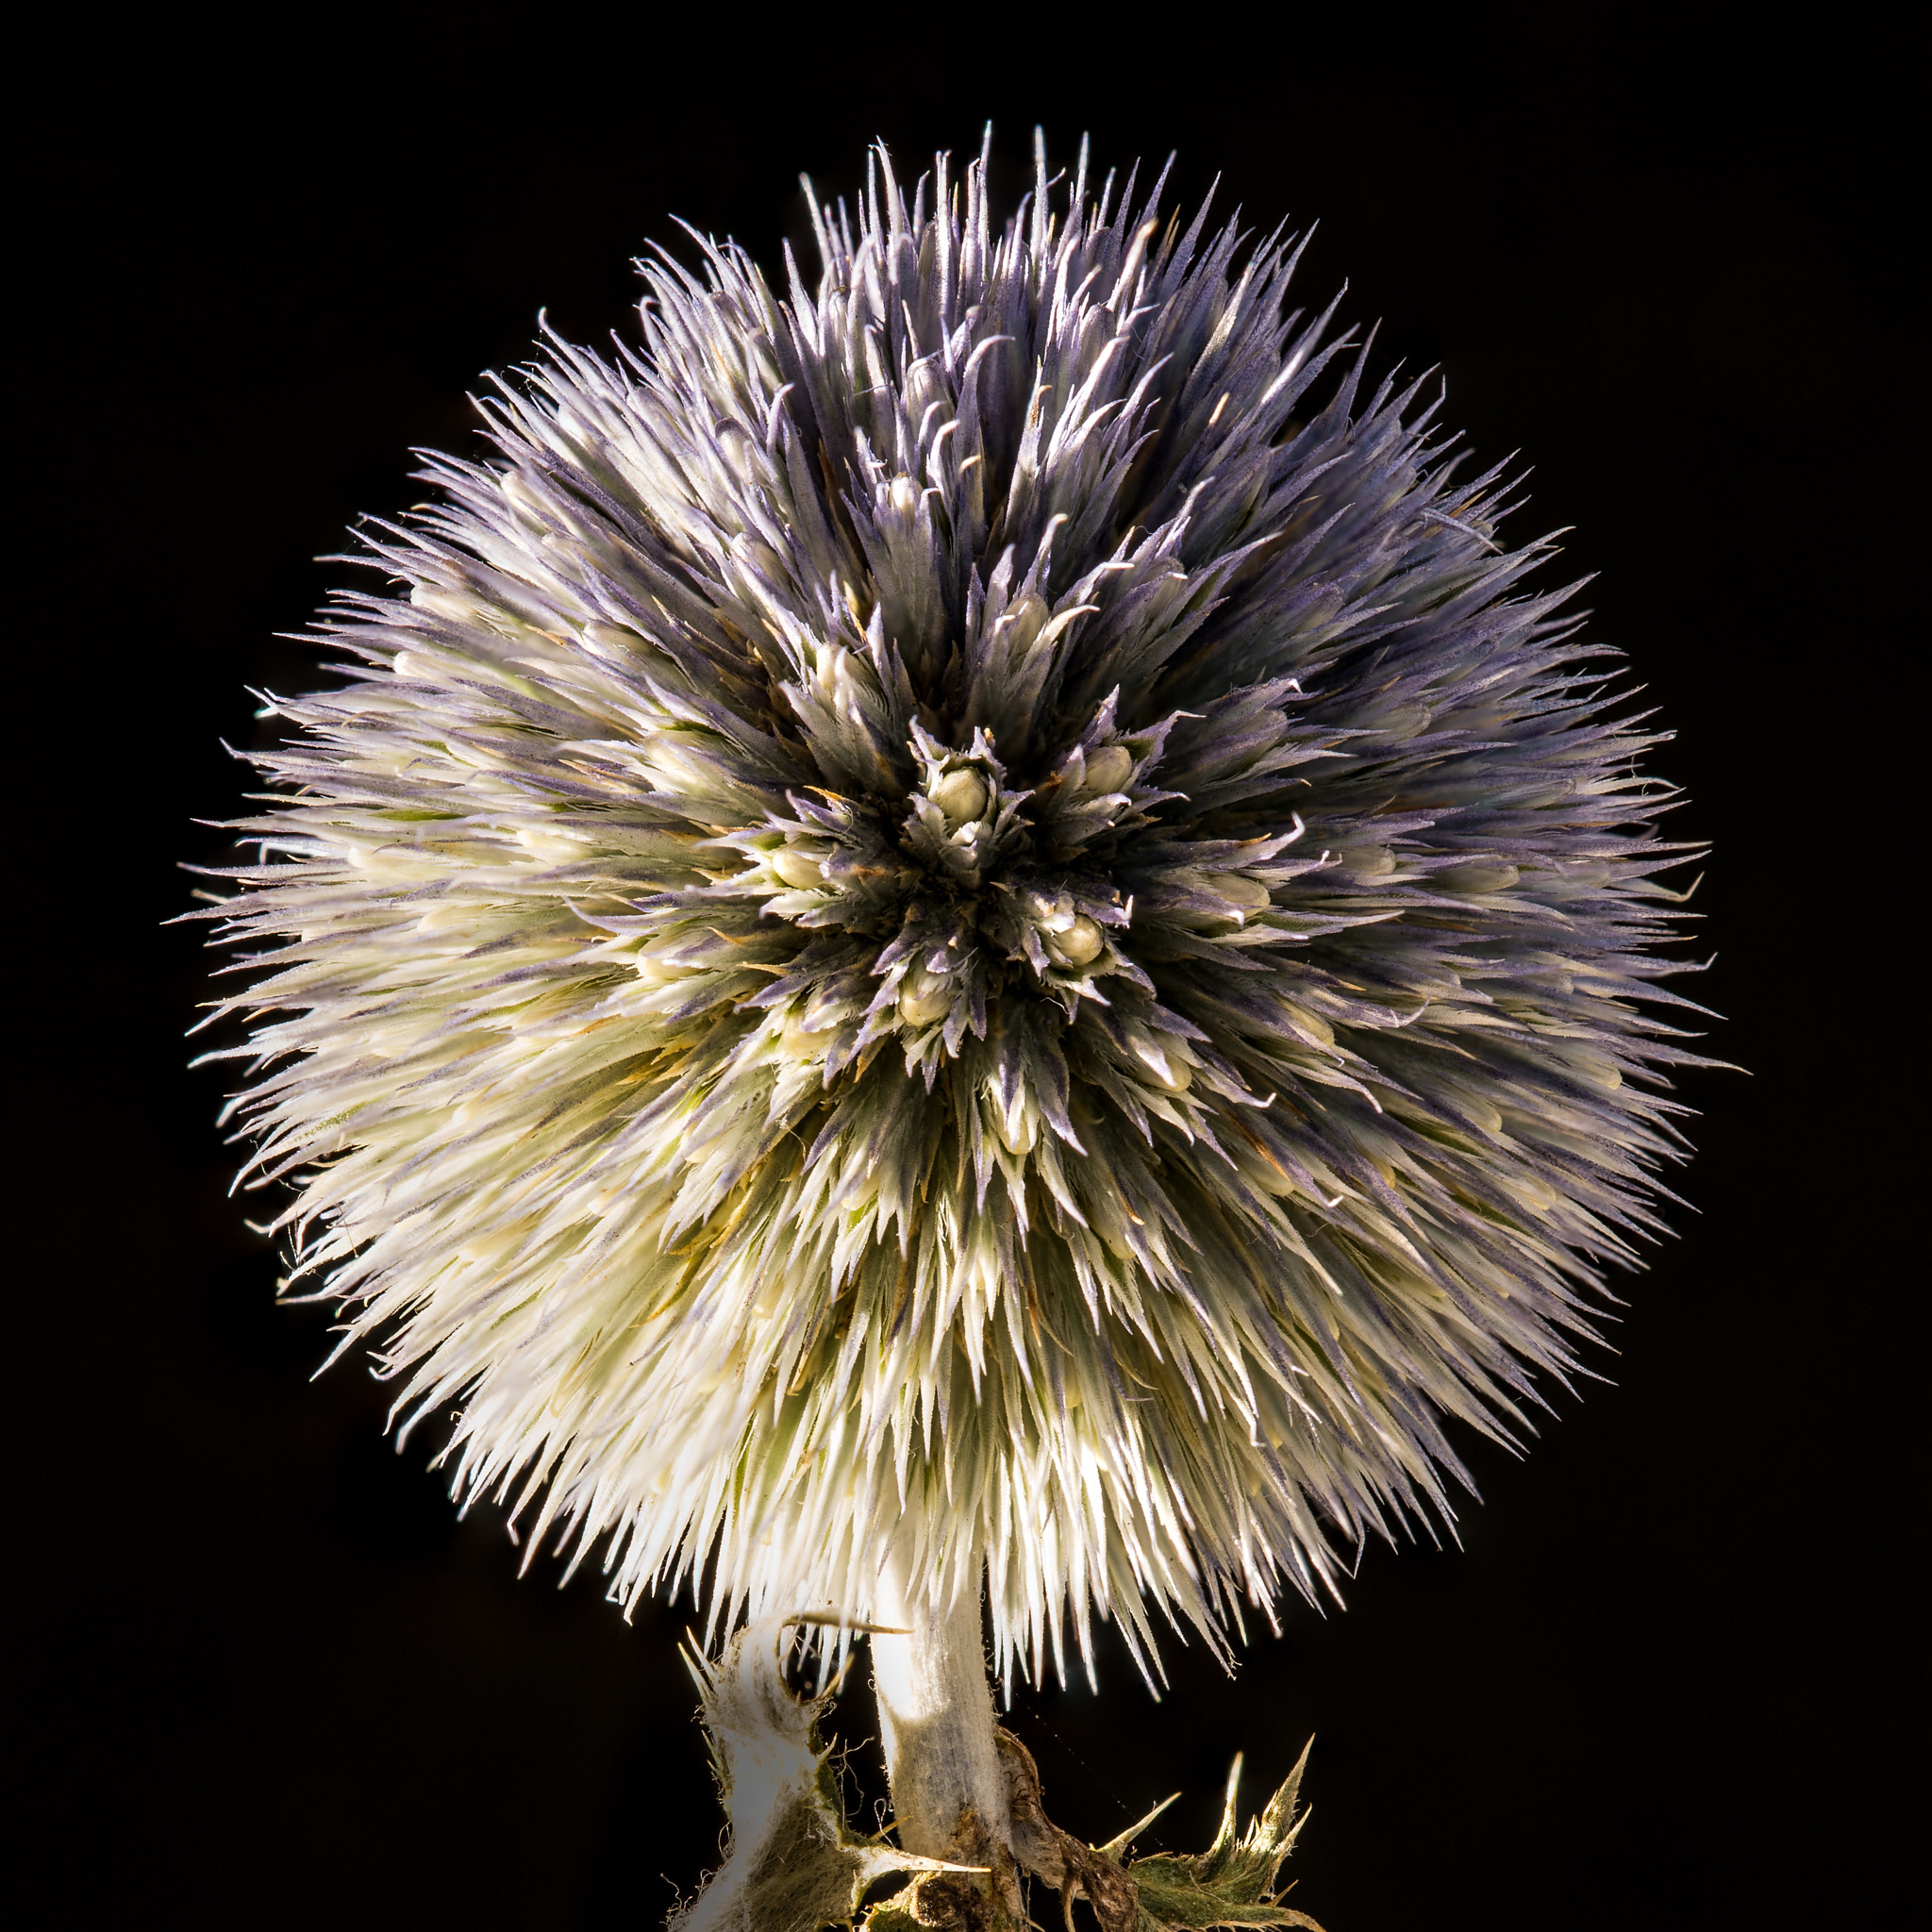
x=971, y=905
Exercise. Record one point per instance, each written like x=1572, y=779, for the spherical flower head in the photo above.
x=971, y=907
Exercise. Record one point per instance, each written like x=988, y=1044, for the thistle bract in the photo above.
x=972, y=904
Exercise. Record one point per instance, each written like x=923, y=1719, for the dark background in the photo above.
x=1658, y=1683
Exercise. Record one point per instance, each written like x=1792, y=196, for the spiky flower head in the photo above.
x=976, y=906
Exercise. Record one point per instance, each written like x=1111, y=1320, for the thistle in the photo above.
x=963, y=924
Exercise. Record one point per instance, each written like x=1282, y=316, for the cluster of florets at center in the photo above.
x=975, y=886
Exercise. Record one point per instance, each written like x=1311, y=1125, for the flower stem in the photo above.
x=936, y=1719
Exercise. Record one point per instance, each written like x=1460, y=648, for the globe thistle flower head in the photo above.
x=969, y=910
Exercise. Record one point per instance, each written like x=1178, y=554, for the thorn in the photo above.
x=1116, y=1847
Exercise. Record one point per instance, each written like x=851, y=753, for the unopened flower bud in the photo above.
x=923, y=997
x=797, y=866
x=797, y=1042
x=654, y=973
x=1368, y=861
x=1080, y=943
x=1238, y=889
x=961, y=795
x=1178, y=1077
x=1476, y=878
x=1108, y=769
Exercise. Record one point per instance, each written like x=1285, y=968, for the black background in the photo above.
x=1656, y=1685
